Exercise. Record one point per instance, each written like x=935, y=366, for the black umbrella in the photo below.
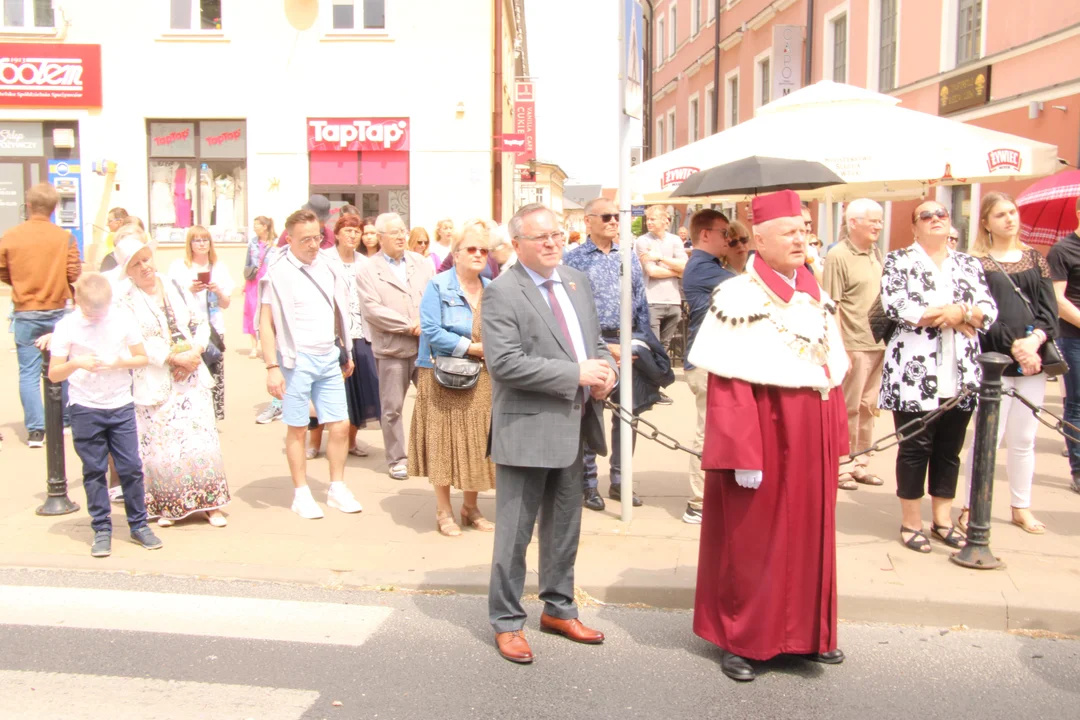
x=754, y=175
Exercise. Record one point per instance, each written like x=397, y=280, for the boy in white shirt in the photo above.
x=95, y=350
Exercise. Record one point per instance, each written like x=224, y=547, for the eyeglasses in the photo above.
x=555, y=237
x=940, y=213
x=954, y=238
x=472, y=250
x=392, y=233
x=815, y=243
x=606, y=217
x=808, y=224
x=310, y=240
x=744, y=240
x=422, y=243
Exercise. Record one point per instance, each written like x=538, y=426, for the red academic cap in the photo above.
x=784, y=203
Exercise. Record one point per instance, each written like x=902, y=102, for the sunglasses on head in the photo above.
x=473, y=249
x=940, y=213
x=735, y=241
x=607, y=217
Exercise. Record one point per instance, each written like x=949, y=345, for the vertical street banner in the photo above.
x=633, y=64
x=525, y=120
x=787, y=60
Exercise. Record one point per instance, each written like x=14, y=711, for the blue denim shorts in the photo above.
x=316, y=379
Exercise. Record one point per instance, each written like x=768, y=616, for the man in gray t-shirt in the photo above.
x=662, y=259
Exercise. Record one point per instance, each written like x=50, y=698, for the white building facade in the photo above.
x=213, y=112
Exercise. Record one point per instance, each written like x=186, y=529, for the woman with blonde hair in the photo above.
x=1019, y=281
x=443, y=239
x=211, y=286
x=254, y=269
x=738, y=250
x=420, y=243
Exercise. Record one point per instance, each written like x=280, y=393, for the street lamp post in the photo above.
x=57, y=502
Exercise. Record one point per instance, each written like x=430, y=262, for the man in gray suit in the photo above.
x=549, y=370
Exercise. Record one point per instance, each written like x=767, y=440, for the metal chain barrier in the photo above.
x=1060, y=425
x=912, y=429
x=654, y=433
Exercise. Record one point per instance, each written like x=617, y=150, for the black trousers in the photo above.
x=937, y=449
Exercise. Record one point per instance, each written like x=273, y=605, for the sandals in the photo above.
x=866, y=477
x=916, y=542
x=472, y=516
x=948, y=535
x=445, y=522
x=357, y=451
x=846, y=482
x=962, y=521
x=1034, y=526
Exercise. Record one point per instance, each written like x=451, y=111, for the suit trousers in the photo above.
x=395, y=374
x=523, y=492
x=861, y=386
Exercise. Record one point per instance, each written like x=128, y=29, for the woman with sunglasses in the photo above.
x=738, y=249
x=1025, y=323
x=420, y=243
x=448, y=441
x=941, y=303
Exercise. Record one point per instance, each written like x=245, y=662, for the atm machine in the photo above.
x=65, y=176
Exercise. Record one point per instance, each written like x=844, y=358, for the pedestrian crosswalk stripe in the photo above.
x=37, y=695
x=203, y=615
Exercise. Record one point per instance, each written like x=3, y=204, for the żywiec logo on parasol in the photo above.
x=675, y=176
x=1003, y=159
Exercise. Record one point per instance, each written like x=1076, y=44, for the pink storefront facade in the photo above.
x=909, y=48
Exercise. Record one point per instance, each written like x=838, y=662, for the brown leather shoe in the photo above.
x=572, y=629
x=514, y=647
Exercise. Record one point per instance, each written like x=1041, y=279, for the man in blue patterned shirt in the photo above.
x=598, y=257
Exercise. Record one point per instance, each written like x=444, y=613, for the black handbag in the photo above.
x=215, y=349
x=881, y=325
x=457, y=373
x=1052, y=362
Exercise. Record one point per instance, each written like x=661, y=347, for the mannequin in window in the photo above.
x=206, y=195
x=224, y=191
x=162, y=210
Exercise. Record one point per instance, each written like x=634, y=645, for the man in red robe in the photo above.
x=776, y=426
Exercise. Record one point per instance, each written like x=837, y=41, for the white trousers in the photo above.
x=1017, y=425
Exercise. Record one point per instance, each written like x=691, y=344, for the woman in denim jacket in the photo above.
x=448, y=441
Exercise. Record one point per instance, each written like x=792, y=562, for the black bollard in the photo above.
x=976, y=553
x=57, y=503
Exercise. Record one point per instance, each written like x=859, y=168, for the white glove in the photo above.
x=750, y=479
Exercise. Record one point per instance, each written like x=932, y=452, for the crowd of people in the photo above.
x=511, y=338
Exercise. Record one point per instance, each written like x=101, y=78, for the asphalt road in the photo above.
x=90, y=646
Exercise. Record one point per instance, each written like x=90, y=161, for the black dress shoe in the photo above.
x=593, y=501
x=833, y=657
x=664, y=400
x=737, y=668
x=615, y=493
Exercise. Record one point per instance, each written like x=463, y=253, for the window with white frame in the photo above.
x=763, y=72
x=887, y=46
x=710, y=10
x=731, y=98
x=659, y=140
x=358, y=14
x=660, y=37
x=673, y=25
x=29, y=14
x=839, y=49
x=695, y=119
x=969, y=31
x=710, y=110
x=695, y=17
x=671, y=144
x=194, y=15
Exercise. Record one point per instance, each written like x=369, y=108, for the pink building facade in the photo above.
x=908, y=48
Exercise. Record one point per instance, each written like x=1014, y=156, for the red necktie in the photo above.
x=556, y=310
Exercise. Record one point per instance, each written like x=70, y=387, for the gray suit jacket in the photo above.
x=536, y=418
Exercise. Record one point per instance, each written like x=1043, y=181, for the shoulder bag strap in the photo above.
x=333, y=305
x=1019, y=292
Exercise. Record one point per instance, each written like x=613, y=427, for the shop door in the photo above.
x=16, y=175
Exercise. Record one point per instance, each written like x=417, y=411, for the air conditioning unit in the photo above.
x=635, y=156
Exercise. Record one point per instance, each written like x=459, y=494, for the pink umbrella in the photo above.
x=1048, y=208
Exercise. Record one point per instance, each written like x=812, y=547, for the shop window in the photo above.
x=358, y=14
x=195, y=14
x=839, y=48
x=198, y=176
x=887, y=46
x=969, y=31
x=28, y=14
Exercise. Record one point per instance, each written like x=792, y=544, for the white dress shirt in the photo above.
x=577, y=337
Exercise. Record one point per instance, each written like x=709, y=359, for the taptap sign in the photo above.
x=50, y=75
x=358, y=134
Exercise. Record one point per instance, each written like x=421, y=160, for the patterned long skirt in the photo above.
x=181, y=453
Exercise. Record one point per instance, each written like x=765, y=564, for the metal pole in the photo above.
x=626, y=242
x=57, y=502
x=976, y=553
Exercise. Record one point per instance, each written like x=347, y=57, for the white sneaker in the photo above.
x=116, y=495
x=305, y=506
x=341, y=498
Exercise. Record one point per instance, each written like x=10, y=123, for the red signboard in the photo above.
x=51, y=75
x=357, y=134
x=525, y=121
x=511, y=143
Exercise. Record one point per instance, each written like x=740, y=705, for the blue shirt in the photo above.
x=603, y=270
x=399, y=267
x=703, y=272
x=577, y=337
x=446, y=319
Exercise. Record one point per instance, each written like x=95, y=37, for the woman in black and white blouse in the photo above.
x=1024, y=324
x=940, y=299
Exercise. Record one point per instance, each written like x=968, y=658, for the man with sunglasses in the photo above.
x=775, y=429
x=598, y=257
x=703, y=273
x=662, y=259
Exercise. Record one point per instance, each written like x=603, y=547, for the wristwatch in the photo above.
x=968, y=314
